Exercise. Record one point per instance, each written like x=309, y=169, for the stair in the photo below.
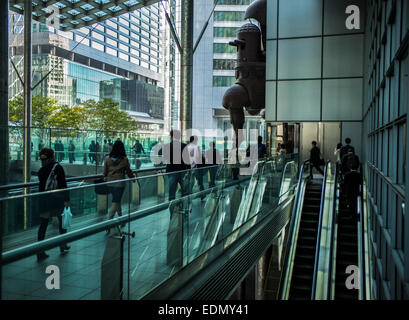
x=301, y=280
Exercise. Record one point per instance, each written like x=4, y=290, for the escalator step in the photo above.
x=304, y=257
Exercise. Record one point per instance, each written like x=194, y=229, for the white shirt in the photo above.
x=195, y=155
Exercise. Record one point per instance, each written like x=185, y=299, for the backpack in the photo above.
x=350, y=161
x=52, y=183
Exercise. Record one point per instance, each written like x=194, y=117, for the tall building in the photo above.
x=214, y=63
x=85, y=63
x=171, y=64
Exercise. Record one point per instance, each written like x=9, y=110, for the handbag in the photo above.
x=101, y=187
x=66, y=218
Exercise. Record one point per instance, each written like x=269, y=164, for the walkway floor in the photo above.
x=80, y=268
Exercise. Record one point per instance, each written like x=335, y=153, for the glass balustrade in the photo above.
x=154, y=238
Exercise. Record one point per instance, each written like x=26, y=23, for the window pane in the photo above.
x=271, y=61
x=343, y=56
x=300, y=18
x=299, y=58
x=223, y=48
x=299, y=100
x=225, y=32
x=223, y=81
x=229, y=15
x=271, y=19
x=342, y=99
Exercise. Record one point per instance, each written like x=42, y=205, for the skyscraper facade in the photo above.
x=85, y=63
x=215, y=61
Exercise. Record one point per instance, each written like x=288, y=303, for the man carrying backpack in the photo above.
x=347, y=156
x=51, y=176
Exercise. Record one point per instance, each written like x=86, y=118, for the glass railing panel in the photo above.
x=168, y=234
x=75, y=275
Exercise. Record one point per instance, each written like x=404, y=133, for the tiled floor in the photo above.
x=80, y=268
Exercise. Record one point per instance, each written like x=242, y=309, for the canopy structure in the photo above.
x=72, y=14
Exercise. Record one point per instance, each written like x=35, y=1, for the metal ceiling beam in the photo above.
x=66, y=23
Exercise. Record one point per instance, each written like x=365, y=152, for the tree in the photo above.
x=105, y=116
x=42, y=109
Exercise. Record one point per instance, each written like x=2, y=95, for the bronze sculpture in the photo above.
x=249, y=89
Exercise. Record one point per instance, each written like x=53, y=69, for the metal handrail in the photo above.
x=31, y=249
x=317, y=248
x=361, y=247
x=8, y=187
x=286, y=275
x=332, y=241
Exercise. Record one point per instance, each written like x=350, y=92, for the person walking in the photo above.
x=174, y=154
x=92, y=149
x=337, y=153
x=138, y=149
x=115, y=167
x=51, y=176
x=71, y=150
x=98, y=153
x=347, y=148
x=315, y=159
x=106, y=149
x=352, y=183
x=213, y=158
x=196, y=159
x=261, y=148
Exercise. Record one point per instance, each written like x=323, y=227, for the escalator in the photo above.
x=303, y=272
x=347, y=249
x=324, y=238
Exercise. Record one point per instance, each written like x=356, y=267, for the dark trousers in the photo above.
x=198, y=174
x=212, y=173
x=175, y=179
x=316, y=166
x=44, y=224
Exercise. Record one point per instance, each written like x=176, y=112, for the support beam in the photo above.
x=4, y=113
x=186, y=79
x=27, y=101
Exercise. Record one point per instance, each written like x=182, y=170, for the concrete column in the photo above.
x=186, y=78
x=4, y=113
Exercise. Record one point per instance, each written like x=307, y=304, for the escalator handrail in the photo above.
x=361, y=222
x=332, y=241
x=284, y=277
x=317, y=247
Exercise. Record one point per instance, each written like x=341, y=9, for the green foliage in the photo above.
x=104, y=116
x=42, y=109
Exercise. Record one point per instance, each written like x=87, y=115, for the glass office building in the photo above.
x=125, y=48
x=214, y=63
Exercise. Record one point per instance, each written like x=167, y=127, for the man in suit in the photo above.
x=175, y=154
x=346, y=149
x=352, y=183
x=315, y=159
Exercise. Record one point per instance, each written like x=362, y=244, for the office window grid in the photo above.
x=130, y=32
x=384, y=121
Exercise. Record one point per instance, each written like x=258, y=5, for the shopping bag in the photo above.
x=66, y=218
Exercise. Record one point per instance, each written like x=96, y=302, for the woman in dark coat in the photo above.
x=52, y=204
